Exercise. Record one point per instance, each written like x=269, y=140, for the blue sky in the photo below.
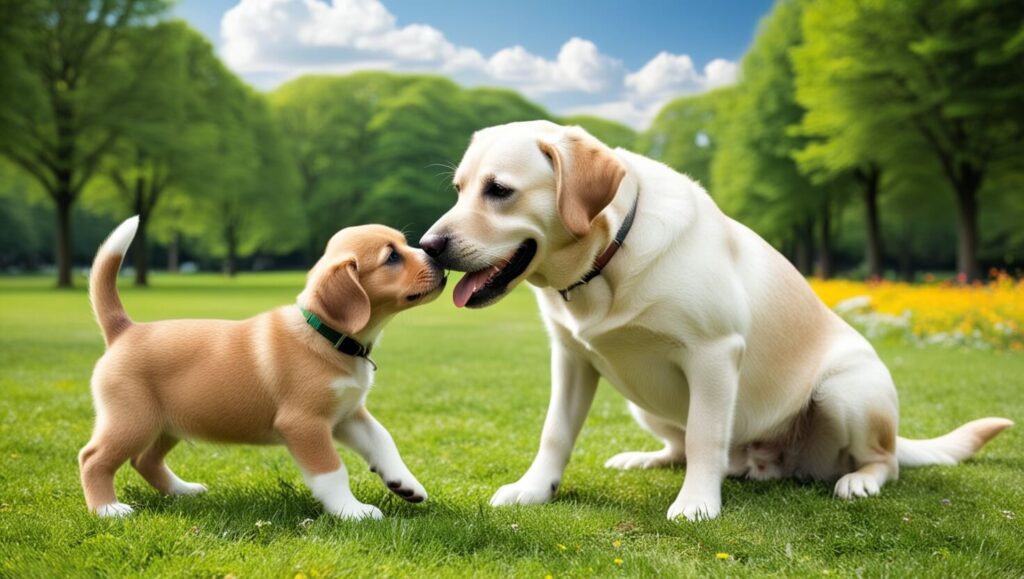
x=621, y=60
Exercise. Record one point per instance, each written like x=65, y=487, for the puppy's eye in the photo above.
x=496, y=190
x=393, y=258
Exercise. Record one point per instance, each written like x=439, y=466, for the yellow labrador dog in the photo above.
x=721, y=347
x=296, y=375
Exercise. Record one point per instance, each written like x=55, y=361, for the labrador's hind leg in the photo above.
x=674, y=437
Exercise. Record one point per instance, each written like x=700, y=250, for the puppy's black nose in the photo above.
x=434, y=244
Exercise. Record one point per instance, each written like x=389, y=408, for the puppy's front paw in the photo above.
x=633, y=460
x=114, y=511
x=355, y=511
x=408, y=488
x=524, y=493
x=695, y=508
x=856, y=485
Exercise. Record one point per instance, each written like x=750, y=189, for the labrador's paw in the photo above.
x=524, y=493
x=695, y=508
x=856, y=485
x=635, y=460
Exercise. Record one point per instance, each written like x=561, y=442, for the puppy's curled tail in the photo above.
x=106, y=304
x=950, y=448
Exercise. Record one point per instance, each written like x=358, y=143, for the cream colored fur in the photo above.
x=720, y=346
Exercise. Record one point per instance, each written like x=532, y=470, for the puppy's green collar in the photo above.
x=341, y=342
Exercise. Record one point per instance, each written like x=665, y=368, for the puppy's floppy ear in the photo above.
x=587, y=175
x=340, y=299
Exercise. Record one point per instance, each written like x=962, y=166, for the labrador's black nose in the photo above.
x=434, y=244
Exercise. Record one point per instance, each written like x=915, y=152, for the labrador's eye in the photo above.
x=497, y=190
x=393, y=258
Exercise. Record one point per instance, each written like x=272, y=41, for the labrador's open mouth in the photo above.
x=480, y=287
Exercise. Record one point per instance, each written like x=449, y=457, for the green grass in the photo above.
x=464, y=394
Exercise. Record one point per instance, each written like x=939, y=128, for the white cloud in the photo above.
x=273, y=40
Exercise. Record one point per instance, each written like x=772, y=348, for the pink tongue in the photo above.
x=469, y=283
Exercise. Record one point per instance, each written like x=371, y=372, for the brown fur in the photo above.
x=258, y=381
x=586, y=184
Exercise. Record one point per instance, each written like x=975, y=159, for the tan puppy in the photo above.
x=267, y=380
x=721, y=347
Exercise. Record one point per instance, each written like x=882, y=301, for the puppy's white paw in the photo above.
x=356, y=511
x=635, y=460
x=695, y=508
x=856, y=485
x=182, y=488
x=524, y=493
x=114, y=511
x=402, y=483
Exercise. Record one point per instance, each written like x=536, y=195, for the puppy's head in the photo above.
x=526, y=190
x=367, y=274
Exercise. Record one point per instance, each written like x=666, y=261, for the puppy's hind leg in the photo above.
x=150, y=464
x=108, y=449
x=674, y=437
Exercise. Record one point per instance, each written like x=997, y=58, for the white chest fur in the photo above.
x=350, y=390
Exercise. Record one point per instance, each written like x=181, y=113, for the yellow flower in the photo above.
x=616, y=543
x=561, y=547
x=618, y=561
x=721, y=556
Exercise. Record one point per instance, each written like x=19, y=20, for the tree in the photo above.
x=754, y=174
x=325, y=123
x=610, y=133
x=157, y=153
x=947, y=72
x=77, y=93
x=249, y=203
x=683, y=135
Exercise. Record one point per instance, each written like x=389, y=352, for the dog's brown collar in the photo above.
x=602, y=260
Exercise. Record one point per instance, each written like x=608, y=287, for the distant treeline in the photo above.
x=862, y=135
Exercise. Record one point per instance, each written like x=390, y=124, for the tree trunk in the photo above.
x=825, y=243
x=142, y=252
x=907, y=254
x=141, y=238
x=967, y=227
x=804, y=247
x=63, y=248
x=172, y=252
x=874, y=236
x=231, y=263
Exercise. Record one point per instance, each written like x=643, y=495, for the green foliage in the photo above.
x=380, y=147
x=892, y=82
x=611, y=133
x=754, y=174
x=685, y=134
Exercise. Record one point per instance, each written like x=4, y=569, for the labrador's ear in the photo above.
x=587, y=175
x=340, y=299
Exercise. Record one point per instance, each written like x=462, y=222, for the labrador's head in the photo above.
x=369, y=273
x=525, y=191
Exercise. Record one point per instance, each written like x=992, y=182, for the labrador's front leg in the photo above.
x=362, y=433
x=712, y=372
x=573, y=383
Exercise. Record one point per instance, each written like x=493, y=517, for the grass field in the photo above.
x=464, y=394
